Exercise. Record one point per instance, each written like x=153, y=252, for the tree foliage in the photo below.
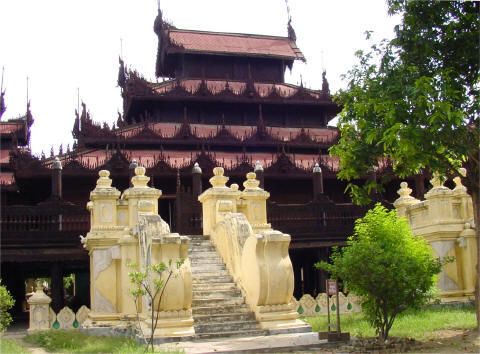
x=6, y=303
x=150, y=284
x=388, y=267
x=413, y=101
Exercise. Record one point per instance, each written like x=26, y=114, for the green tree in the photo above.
x=388, y=267
x=413, y=101
x=150, y=284
x=6, y=303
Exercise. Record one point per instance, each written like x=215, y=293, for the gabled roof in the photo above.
x=203, y=42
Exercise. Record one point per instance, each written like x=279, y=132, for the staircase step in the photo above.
x=207, y=267
x=219, y=310
x=225, y=317
x=226, y=327
x=249, y=333
x=209, y=278
x=220, y=294
x=214, y=286
x=217, y=301
x=209, y=273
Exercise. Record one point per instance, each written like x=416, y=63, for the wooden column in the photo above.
x=259, y=174
x=196, y=180
x=56, y=179
x=56, y=286
x=317, y=182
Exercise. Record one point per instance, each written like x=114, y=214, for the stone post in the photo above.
x=259, y=173
x=39, y=310
x=217, y=199
x=317, y=182
x=140, y=191
x=196, y=180
x=56, y=179
x=467, y=258
x=103, y=248
x=254, y=201
x=131, y=170
x=405, y=200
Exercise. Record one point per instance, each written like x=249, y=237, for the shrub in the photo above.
x=388, y=267
x=6, y=303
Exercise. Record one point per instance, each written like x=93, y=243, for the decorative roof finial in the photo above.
x=291, y=31
x=325, y=86
x=3, y=108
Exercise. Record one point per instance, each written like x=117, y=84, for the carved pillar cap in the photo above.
x=133, y=165
x=437, y=180
x=39, y=297
x=196, y=168
x=56, y=165
x=459, y=187
x=218, y=179
x=140, y=180
x=258, y=167
x=404, y=191
x=316, y=168
x=104, y=181
x=251, y=182
x=234, y=186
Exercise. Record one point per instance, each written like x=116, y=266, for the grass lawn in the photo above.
x=413, y=324
x=11, y=346
x=61, y=341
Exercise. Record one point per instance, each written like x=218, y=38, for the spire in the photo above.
x=158, y=24
x=291, y=32
x=325, y=87
x=261, y=130
x=3, y=108
x=122, y=74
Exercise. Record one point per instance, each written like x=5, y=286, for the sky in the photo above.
x=69, y=49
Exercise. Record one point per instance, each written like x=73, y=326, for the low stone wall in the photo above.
x=42, y=316
x=308, y=306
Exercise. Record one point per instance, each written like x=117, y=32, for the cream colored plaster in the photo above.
x=445, y=220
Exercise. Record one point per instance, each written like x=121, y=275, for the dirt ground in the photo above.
x=442, y=341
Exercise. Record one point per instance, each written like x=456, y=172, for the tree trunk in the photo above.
x=476, y=215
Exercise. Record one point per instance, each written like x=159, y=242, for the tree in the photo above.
x=6, y=303
x=387, y=266
x=413, y=101
x=150, y=284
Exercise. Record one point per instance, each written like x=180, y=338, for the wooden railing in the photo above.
x=41, y=218
x=314, y=218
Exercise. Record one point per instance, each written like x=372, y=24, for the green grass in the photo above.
x=12, y=347
x=61, y=341
x=413, y=324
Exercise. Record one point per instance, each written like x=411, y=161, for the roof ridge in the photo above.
x=237, y=34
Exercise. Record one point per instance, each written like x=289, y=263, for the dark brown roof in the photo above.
x=235, y=43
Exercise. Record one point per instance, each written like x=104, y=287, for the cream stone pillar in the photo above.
x=404, y=200
x=39, y=310
x=254, y=203
x=467, y=259
x=217, y=199
x=140, y=191
x=158, y=245
x=128, y=255
x=104, y=251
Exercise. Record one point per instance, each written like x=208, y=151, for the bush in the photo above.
x=6, y=303
x=388, y=267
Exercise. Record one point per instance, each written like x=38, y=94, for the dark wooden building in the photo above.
x=221, y=100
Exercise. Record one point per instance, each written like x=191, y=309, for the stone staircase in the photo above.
x=219, y=310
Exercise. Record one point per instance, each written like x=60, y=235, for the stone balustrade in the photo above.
x=126, y=229
x=445, y=220
x=255, y=255
x=42, y=316
x=308, y=306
